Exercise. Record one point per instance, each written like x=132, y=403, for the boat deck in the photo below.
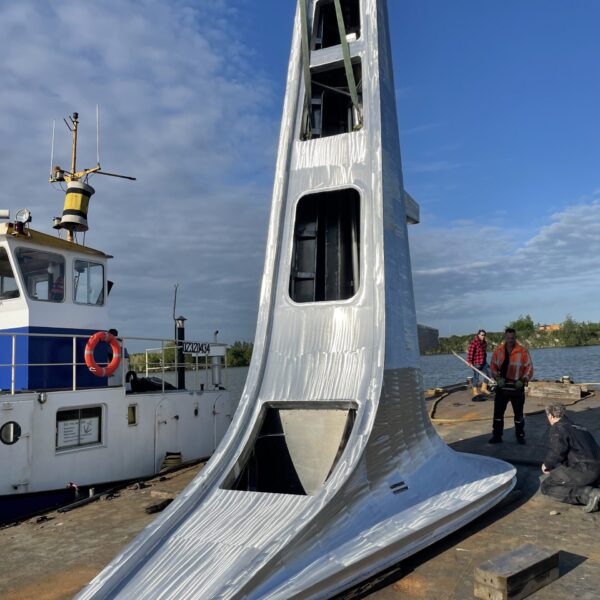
x=52, y=559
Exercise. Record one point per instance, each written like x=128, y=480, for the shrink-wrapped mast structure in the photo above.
x=331, y=470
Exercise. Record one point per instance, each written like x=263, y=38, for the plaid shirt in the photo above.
x=477, y=354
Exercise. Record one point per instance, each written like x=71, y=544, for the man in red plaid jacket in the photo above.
x=477, y=357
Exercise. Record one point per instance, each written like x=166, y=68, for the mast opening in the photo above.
x=294, y=452
x=326, y=253
x=331, y=108
x=325, y=30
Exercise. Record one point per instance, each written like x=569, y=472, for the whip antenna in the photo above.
x=52, y=147
x=97, y=135
x=175, y=307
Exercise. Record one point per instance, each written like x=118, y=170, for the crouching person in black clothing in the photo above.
x=572, y=461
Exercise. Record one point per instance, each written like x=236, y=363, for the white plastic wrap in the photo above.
x=397, y=487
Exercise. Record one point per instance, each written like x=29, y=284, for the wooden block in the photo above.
x=516, y=574
x=158, y=507
x=549, y=389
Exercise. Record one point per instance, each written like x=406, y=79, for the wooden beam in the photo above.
x=516, y=574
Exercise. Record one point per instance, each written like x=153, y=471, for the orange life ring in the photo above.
x=111, y=340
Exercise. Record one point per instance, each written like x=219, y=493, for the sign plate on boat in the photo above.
x=196, y=348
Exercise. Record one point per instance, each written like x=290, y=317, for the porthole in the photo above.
x=10, y=433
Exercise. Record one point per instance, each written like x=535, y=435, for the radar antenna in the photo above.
x=74, y=217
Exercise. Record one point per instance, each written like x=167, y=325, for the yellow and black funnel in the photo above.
x=74, y=217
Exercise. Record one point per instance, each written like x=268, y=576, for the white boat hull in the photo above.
x=189, y=423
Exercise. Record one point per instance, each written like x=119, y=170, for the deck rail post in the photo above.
x=162, y=360
x=74, y=364
x=123, y=373
x=13, y=362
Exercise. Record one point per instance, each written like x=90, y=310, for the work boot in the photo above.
x=474, y=391
x=594, y=501
x=495, y=439
x=484, y=388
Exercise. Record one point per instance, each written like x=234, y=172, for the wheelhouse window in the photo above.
x=78, y=427
x=326, y=32
x=88, y=283
x=8, y=282
x=331, y=109
x=43, y=274
x=326, y=253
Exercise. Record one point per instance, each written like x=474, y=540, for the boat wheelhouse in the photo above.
x=47, y=285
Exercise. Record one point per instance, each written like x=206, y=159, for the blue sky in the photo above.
x=497, y=106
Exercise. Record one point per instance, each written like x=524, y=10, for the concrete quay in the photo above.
x=445, y=571
x=52, y=558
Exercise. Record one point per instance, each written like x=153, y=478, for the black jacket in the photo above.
x=570, y=444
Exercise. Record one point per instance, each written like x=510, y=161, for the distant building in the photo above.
x=429, y=338
x=551, y=327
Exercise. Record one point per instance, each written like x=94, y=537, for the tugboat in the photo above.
x=72, y=414
x=331, y=470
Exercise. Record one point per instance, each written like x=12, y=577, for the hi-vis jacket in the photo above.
x=520, y=365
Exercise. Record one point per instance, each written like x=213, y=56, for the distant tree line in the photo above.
x=571, y=333
x=239, y=354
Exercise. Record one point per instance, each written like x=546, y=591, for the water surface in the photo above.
x=582, y=364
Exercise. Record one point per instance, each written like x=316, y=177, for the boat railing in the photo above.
x=201, y=364
x=207, y=365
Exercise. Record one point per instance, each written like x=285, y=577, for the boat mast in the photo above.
x=74, y=217
x=75, y=121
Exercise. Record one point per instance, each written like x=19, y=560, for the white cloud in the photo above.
x=469, y=276
x=182, y=107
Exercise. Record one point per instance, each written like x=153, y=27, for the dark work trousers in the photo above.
x=571, y=484
x=517, y=399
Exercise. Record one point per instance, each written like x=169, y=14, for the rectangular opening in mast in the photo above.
x=325, y=27
x=331, y=108
x=326, y=253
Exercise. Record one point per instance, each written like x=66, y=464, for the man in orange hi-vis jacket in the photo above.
x=512, y=369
